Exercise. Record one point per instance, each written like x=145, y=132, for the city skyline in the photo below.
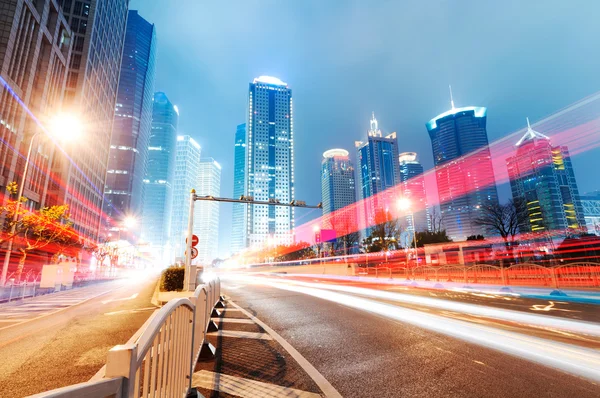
x=404, y=91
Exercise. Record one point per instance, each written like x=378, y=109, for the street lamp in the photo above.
x=62, y=125
x=404, y=204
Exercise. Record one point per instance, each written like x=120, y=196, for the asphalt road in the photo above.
x=66, y=339
x=373, y=347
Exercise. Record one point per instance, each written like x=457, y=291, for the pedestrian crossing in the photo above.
x=16, y=313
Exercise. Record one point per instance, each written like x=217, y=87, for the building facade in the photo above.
x=542, y=175
x=239, y=227
x=35, y=48
x=158, y=182
x=270, y=161
x=463, y=169
x=98, y=28
x=338, y=192
x=379, y=174
x=128, y=155
x=591, y=211
x=412, y=182
x=206, y=214
x=187, y=166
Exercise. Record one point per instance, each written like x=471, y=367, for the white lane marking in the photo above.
x=314, y=374
x=133, y=311
x=233, y=320
x=245, y=387
x=243, y=335
x=13, y=320
x=121, y=299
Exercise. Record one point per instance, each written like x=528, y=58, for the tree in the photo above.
x=346, y=234
x=8, y=211
x=436, y=219
x=386, y=230
x=426, y=237
x=293, y=252
x=476, y=237
x=101, y=252
x=504, y=220
x=49, y=225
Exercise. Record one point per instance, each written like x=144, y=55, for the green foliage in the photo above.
x=476, y=237
x=295, y=251
x=172, y=279
x=426, y=237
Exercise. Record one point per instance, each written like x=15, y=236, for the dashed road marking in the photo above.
x=233, y=320
x=241, y=387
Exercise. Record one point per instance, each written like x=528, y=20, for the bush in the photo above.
x=172, y=279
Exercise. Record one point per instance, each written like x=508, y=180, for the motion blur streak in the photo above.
x=579, y=361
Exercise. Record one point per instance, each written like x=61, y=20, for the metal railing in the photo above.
x=159, y=359
x=584, y=274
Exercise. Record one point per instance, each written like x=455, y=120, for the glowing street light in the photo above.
x=61, y=126
x=130, y=222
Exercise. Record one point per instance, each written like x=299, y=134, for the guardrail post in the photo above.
x=554, y=278
x=503, y=275
x=121, y=362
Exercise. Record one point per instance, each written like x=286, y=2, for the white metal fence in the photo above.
x=159, y=359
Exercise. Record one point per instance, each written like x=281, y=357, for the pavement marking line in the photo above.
x=247, y=388
x=314, y=374
x=132, y=311
x=13, y=320
x=133, y=296
x=51, y=313
x=232, y=320
x=242, y=335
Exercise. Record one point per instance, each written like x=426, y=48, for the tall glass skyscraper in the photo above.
x=413, y=189
x=206, y=214
x=270, y=161
x=98, y=28
x=338, y=191
x=158, y=183
x=542, y=175
x=463, y=168
x=187, y=166
x=378, y=172
x=238, y=233
x=128, y=156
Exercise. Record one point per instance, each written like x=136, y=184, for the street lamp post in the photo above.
x=61, y=123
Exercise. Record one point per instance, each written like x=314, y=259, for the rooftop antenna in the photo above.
x=528, y=125
x=451, y=98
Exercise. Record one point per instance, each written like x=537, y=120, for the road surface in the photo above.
x=62, y=339
x=367, y=346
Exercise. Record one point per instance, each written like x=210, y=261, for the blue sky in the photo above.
x=346, y=58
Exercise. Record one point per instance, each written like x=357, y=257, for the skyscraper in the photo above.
x=187, y=165
x=206, y=214
x=413, y=189
x=158, y=190
x=128, y=156
x=591, y=211
x=238, y=233
x=542, y=175
x=270, y=161
x=98, y=28
x=38, y=80
x=378, y=173
x=338, y=191
x=463, y=168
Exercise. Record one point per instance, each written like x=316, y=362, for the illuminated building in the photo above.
x=338, y=191
x=187, y=165
x=158, y=182
x=38, y=80
x=413, y=189
x=542, y=175
x=238, y=233
x=128, y=155
x=98, y=28
x=270, y=161
x=206, y=214
x=378, y=173
x=463, y=168
x=591, y=211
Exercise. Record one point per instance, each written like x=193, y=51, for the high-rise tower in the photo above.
x=206, y=214
x=378, y=172
x=269, y=161
x=463, y=168
x=413, y=188
x=239, y=222
x=338, y=191
x=542, y=175
x=128, y=156
x=158, y=183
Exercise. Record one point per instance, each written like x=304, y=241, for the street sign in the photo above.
x=194, y=253
x=194, y=240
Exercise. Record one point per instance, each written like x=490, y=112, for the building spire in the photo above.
x=374, y=126
x=451, y=98
x=528, y=125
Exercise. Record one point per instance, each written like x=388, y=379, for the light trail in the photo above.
x=569, y=358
